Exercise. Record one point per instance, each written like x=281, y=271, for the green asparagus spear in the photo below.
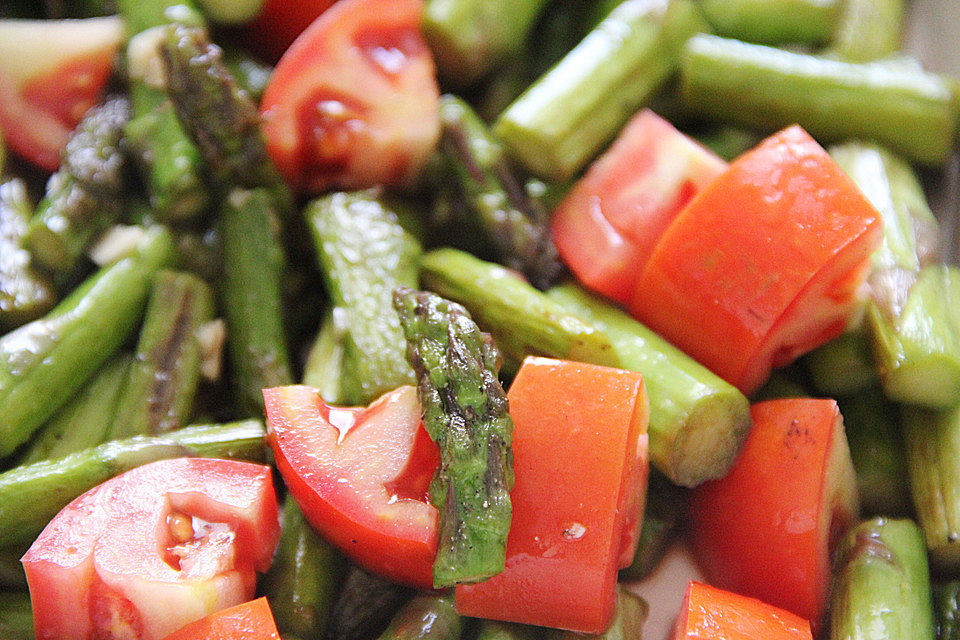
x=516, y=225
x=85, y=421
x=564, y=119
x=426, y=617
x=252, y=267
x=946, y=599
x=868, y=30
x=662, y=517
x=45, y=362
x=881, y=587
x=12, y=575
x=844, y=366
x=232, y=12
x=324, y=365
x=365, y=606
x=170, y=164
x=758, y=86
x=727, y=141
x=697, y=421
x=250, y=74
x=933, y=463
x=496, y=630
x=627, y=622
x=364, y=254
x=877, y=449
x=162, y=383
x=85, y=196
x=465, y=412
x=303, y=580
x=60, y=9
x=523, y=321
x=31, y=495
x=25, y=294
x=16, y=616
x=810, y=22
x=470, y=37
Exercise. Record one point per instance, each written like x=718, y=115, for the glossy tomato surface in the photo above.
x=709, y=612
x=153, y=549
x=248, y=621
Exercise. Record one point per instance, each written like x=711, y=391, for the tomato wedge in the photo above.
x=279, y=23
x=764, y=264
x=248, y=621
x=361, y=476
x=153, y=549
x=637, y=187
x=579, y=446
x=768, y=528
x=709, y=612
x=354, y=102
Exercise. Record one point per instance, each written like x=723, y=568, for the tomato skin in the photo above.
x=580, y=466
x=354, y=101
x=364, y=485
x=608, y=224
x=709, y=612
x=768, y=528
x=764, y=264
x=279, y=23
x=109, y=562
x=248, y=621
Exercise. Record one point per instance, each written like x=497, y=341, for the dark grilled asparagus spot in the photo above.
x=25, y=295
x=365, y=606
x=465, y=411
x=516, y=224
x=85, y=196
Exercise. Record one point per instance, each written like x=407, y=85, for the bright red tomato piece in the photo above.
x=768, y=528
x=709, y=612
x=354, y=102
x=764, y=264
x=248, y=621
x=361, y=476
x=153, y=549
x=51, y=73
x=579, y=446
x=279, y=23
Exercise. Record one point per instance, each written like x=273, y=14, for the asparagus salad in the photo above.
x=448, y=319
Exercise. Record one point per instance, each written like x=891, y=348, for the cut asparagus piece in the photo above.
x=912, y=112
x=844, y=366
x=426, y=617
x=16, y=616
x=497, y=630
x=364, y=254
x=324, y=365
x=42, y=364
x=564, y=119
x=365, y=606
x=85, y=421
x=162, y=383
x=470, y=37
x=515, y=223
x=251, y=74
x=868, y=30
x=946, y=600
x=810, y=22
x=85, y=196
x=522, y=320
x=465, y=411
x=11, y=571
x=882, y=584
x=31, y=495
x=697, y=421
x=252, y=269
x=304, y=578
x=25, y=294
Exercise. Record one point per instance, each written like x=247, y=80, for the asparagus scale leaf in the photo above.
x=465, y=411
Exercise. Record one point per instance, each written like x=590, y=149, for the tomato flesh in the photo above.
x=152, y=550
x=709, y=612
x=248, y=621
x=280, y=23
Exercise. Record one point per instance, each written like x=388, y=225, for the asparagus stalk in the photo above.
x=16, y=616
x=947, y=607
x=61, y=9
x=564, y=119
x=25, y=294
x=250, y=74
x=465, y=412
x=514, y=222
x=877, y=450
x=470, y=37
x=662, y=517
x=868, y=30
x=45, y=362
x=844, y=366
x=170, y=164
x=697, y=421
x=933, y=463
x=912, y=112
x=497, y=630
x=882, y=584
x=426, y=617
x=303, y=580
x=364, y=254
x=728, y=141
x=252, y=269
x=85, y=421
x=12, y=575
x=810, y=22
x=365, y=606
x=162, y=383
x=324, y=365
x=522, y=320
x=85, y=196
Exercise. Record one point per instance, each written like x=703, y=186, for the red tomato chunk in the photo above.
x=248, y=621
x=709, y=612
